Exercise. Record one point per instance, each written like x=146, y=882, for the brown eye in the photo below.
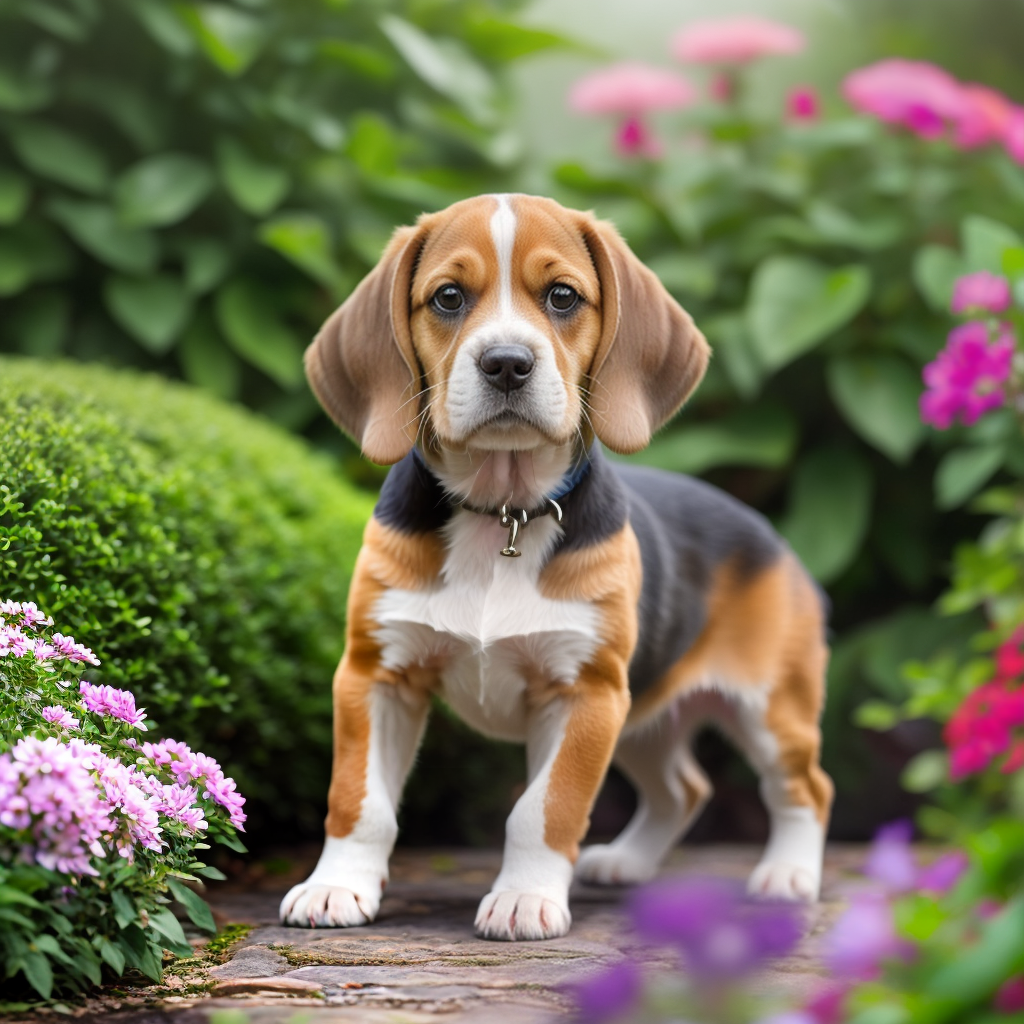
x=562, y=298
x=448, y=299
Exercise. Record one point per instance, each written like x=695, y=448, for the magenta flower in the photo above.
x=1013, y=138
x=721, y=933
x=803, y=104
x=611, y=993
x=1010, y=997
x=73, y=651
x=41, y=650
x=966, y=378
x=737, y=40
x=981, y=292
x=985, y=119
x=863, y=938
x=105, y=700
x=943, y=873
x=60, y=716
x=13, y=641
x=188, y=767
x=631, y=91
x=890, y=860
x=918, y=95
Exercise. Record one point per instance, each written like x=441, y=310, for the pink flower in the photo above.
x=918, y=95
x=1010, y=997
x=722, y=87
x=803, y=104
x=981, y=292
x=73, y=651
x=105, y=700
x=966, y=377
x=737, y=40
x=42, y=650
x=31, y=615
x=890, y=860
x=14, y=641
x=59, y=716
x=193, y=767
x=631, y=90
x=981, y=728
x=985, y=119
x=942, y=874
x=863, y=938
x=1013, y=139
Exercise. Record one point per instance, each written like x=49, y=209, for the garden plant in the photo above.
x=101, y=824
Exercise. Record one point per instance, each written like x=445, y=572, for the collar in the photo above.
x=515, y=518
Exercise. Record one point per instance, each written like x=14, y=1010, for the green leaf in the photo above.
x=837, y=226
x=936, y=269
x=39, y=973
x=153, y=310
x=21, y=94
x=206, y=263
x=195, y=906
x=256, y=186
x=15, y=192
x=207, y=361
x=111, y=955
x=59, y=155
x=256, y=333
x=984, y=241
x=38, y=324
x=29, y=252
x=162, y=190
x=232, y=842
x=364, y=60
x=230, y=38
x=496, y=39
x=925, y=771
x=140, y=951
x=209, y=871
x=49, y=945
x=877, y=715
x=878, y=396
x=165, y=25
x=95, y=227
x=168, y=927
x=796, y=303
x=124, y=909
x=829, y=509
x=445, y=66
x=763, y=435
x=305, y=240
x=964, y=471
x=730, y=341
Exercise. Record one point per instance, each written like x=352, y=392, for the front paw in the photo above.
x=779, y=880
x=514, y=915
x=606, y=865
x=316, y=905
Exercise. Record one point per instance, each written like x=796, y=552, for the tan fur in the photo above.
x=764, y=631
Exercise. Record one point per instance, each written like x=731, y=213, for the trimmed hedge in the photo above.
x=202, y=553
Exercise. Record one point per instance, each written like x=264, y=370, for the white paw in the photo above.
x=605, y=865
x=314, y=905
x=513, y=915
x=778, y=880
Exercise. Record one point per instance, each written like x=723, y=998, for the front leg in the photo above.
x=377, y=729
x=570, y=741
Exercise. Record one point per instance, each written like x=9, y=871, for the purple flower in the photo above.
x=105, y=700
x=966, y=377
x=30, y=614
x=73, y=651
x=188, y=766
x=941, y=875
x=981, y=292
x=177, y=803
x=13, y=641
x=891, y=860
x=864, y=937
x=613, y=992
x=60, y=716
x=721, y=933
x=42, y=650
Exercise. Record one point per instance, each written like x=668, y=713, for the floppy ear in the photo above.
x=362, y=366
x=650, y=355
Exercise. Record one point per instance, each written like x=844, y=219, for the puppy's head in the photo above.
x=505, y=322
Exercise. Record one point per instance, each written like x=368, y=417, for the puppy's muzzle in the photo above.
x=506, y=367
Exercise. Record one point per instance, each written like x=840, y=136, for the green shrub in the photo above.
x=192, y=187
x=202, y=553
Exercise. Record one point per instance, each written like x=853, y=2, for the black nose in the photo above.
x=507, y=367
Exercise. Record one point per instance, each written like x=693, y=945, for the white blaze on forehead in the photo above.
x=503, y=232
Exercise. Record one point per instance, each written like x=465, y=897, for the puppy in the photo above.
x=599, y=612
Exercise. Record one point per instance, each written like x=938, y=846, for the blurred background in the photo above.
x=189, y=189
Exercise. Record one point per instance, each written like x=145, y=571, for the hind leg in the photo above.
x=671, y=789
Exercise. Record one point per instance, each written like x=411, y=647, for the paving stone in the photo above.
x=287, y=985
x=254, y=961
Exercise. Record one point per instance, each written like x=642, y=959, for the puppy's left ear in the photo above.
x=650, y=356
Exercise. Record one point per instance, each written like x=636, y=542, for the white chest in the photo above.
x=486, y=628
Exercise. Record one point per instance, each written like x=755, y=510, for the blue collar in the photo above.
x=572, y=479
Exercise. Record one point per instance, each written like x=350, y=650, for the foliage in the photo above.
x=97, y=831
x=818, y=256
x=192, y=187
x=202, y=553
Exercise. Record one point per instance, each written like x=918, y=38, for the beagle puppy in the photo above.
x=597, y=611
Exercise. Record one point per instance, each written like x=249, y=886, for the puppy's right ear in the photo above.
x=362, y=366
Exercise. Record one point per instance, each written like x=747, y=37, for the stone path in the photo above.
x=420, y=960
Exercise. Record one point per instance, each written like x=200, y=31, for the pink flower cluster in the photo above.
x=981, y=292
x=187, y=767
x=930, y=102
x=966, y=378
x=737, y=40
x=24, y=615
x=105, y=700
x=988, y=723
